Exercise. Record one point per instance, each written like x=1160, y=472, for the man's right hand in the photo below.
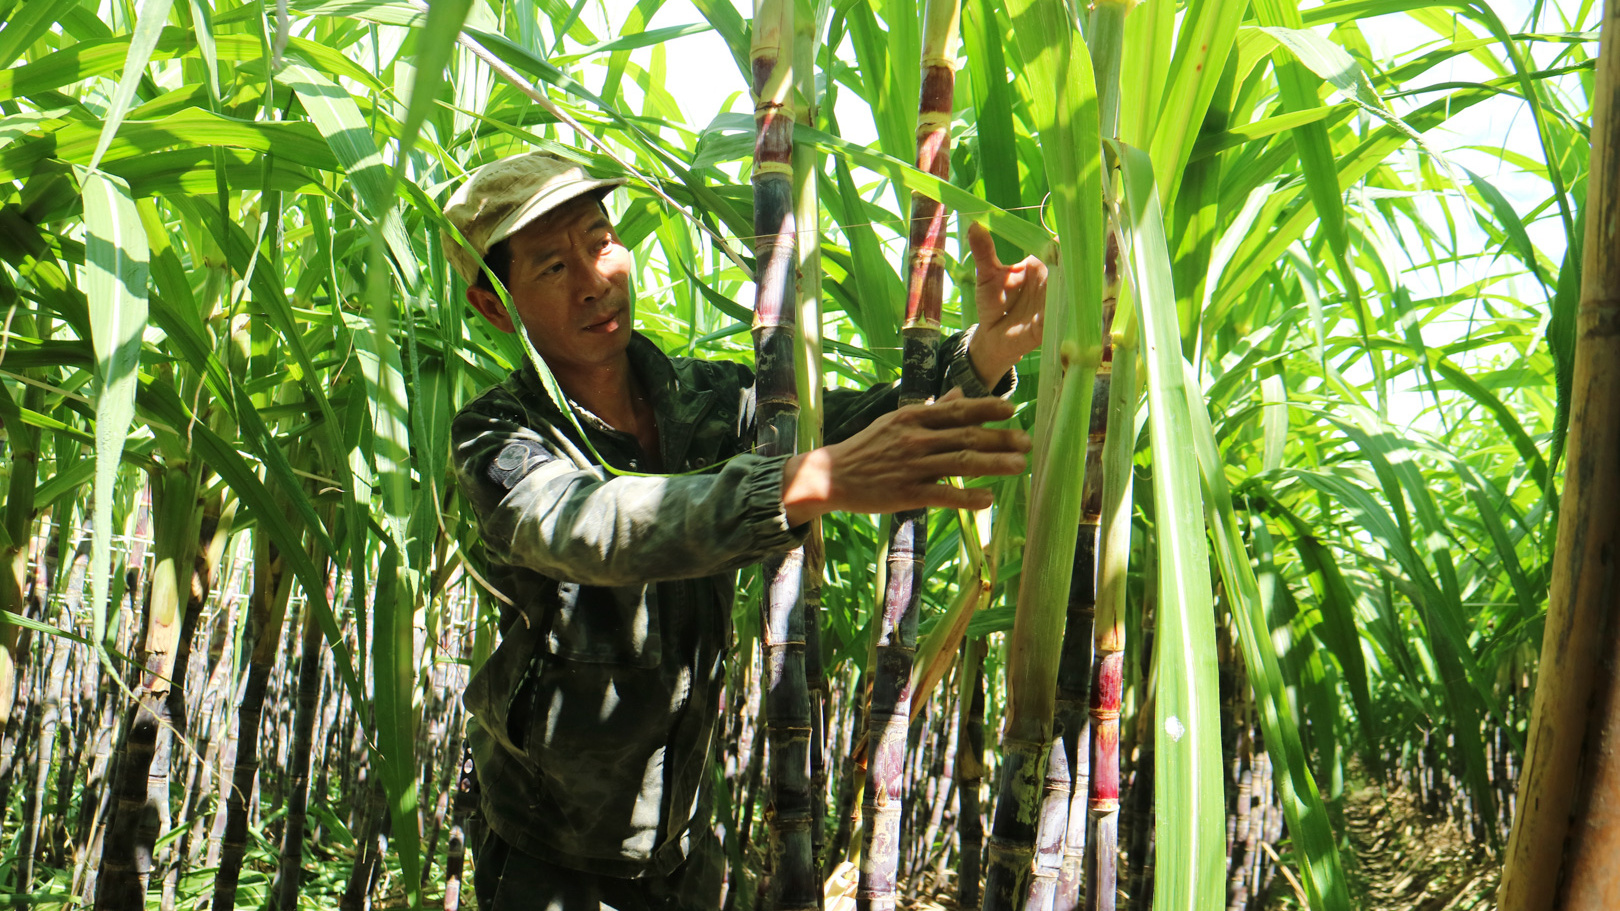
x=901, y=459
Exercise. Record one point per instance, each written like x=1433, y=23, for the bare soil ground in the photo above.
x=1405, y=859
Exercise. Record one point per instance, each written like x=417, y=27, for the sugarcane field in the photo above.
x=810, y=455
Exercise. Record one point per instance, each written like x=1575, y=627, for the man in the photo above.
x=595, y=714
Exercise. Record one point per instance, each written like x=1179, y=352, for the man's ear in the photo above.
x=489, y=304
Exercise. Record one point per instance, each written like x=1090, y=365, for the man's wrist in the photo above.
x=985, y=366
x=806, y=486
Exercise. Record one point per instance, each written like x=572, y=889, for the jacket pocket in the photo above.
x=600, y=625
x=499, y=693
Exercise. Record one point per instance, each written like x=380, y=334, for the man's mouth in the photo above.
x=608, y=323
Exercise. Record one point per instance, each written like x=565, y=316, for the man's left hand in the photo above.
x=1011, y=301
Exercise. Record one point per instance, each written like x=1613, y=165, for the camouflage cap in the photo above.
x=503, y=196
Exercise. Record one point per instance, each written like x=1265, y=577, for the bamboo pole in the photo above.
x=793, y=882
x=889, y=712
x=1563, y=844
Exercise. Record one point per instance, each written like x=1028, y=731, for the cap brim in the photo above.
x=547, y=200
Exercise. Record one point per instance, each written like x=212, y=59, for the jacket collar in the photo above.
x=676, y=405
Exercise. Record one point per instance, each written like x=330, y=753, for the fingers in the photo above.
x=957, y=411
x=983, y=248
x=968, y=463
x=1033, y=269
x=979, y=439
x=944, y=496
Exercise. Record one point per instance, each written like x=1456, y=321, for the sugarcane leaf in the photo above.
x=435, y=42
x=1508, y=220
x=1203, y=42
x=1315, y=848
x=202, y=26
x=338, y=118
x=1297, y=91
x=398, y=589
x=394, y=680
x=1021, y=232
x=992, y=105
x=1261, y=251
x=1188, y=796
x=148, y=27
x=1561, y=339
x=116, y=273
x=270, y=513
x=878, y=292
x=26, y=24
x=138, y=139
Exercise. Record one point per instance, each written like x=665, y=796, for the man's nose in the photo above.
x=593, y=280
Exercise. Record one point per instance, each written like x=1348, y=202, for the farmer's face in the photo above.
x=570, y=282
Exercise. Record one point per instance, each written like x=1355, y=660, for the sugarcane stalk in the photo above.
x=44, y=744
x=464, y=802
x=1057, y=878
x=1064, y=108
x=970, y=772
x=16, y=533
x=271, y=586
x=809, y=375
x=1563, y=843
x=210, y=728
x=793, y=883
x=816, y=683
x=850, y=777
x=95, y=799
x=448, y=734
x=22, y=443
x=1108, y=680
x=376, y=824
x=941, y=789
x=1034, y=646
x=289, y=873
x=141, y=805
x=889, y=711
x=1075, y=661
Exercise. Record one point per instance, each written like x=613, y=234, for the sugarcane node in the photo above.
x=1598, y=318
x=1010, y=852
x=765, y=169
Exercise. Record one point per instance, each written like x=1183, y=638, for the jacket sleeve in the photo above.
x=849, y=411
x=538, y=509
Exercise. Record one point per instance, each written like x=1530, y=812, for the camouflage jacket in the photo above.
x=596, y=713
